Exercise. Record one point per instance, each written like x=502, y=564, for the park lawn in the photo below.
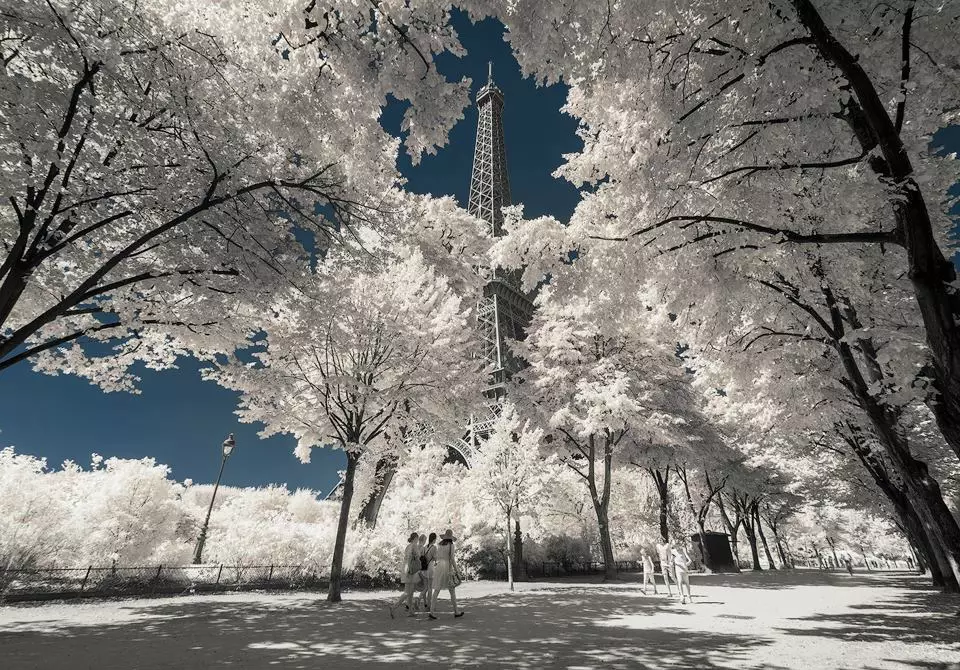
x=804, y=619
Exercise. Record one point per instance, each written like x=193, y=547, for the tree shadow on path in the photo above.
x=572, y=628
x=915, y=617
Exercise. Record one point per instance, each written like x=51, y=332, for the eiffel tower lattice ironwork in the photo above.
x=504, y=311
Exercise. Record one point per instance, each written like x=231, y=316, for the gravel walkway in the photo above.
x=802, y=620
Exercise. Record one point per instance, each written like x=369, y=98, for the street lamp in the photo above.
x=228, y=446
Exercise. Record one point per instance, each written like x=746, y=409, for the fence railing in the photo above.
x=548, y=569
x=55, y=583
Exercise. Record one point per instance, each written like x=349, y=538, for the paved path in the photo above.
x=777, y=620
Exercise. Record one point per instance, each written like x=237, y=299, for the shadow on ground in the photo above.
x=915, y=617
x=496, y=631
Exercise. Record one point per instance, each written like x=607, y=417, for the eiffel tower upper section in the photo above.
x=504, y=311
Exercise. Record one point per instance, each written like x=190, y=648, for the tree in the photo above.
x=509, y=472
x=378, y=346
x=162, y=160
x=693, y=113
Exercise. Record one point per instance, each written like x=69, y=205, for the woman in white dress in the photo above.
x=681, y=566
x=445, y=574
x=430, y=556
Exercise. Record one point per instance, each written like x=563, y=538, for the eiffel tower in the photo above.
x=503, y=311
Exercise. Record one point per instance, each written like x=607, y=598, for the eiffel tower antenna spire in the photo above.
x=490, y=72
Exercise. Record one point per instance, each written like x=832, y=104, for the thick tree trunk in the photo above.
x=921, y=488
x=763, y=539
x=930, y=273
x=385, y=470
x=336, y=565
x=926, y=550
x=606, y=545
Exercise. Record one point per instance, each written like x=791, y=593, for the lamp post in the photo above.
x=228, y=446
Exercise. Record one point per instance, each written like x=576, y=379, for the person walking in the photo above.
x=409, y=575
x=848, y=562
x=445, y=574
x=647, y=562
x=428, y=565
x=421, y=552
x=681, y=567
x=664, y=552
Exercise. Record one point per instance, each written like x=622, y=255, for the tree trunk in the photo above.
x=519, y=566
x=921, y=488
x=833, y=550
x=662, y=482
x=930, y=273
x=751, y=534
x=816, y=552
x=731, y=529
x=606, y=545
x=336, y=566
x=927, y=550
x=910, y=522
x=763, y=539
x=385, y=470
x=703, y=547
x=780, y=551
x=601, y=503
x=509, y=552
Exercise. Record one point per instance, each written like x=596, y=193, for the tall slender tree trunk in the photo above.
x=336, y=565
x=780, y=551
x=662, y=482
x=752, y=541
x=833, y=550
x=601, y=499
x=816, y=552
x=509, y=551
x=763, y=539
x=731, y=528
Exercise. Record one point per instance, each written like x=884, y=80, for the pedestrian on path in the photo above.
x=648, y=578
x=446, y=574
x=409, y=575
x=665, y=553
x=681, y=567
x=427, y=563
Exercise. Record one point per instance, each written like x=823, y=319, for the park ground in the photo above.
x=804, y=619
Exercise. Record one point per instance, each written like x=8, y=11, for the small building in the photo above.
x=714, y=552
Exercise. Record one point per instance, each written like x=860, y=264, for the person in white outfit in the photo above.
x=647, y=572
x=409, y=574
x=445, y=574
x=421, y=552
x=681, y=566
x=430, y=559
x=664, y=551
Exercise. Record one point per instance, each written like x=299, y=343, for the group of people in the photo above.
x=428, y=568
x=674, y=564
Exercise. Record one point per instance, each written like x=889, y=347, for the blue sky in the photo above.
x=180, y=420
